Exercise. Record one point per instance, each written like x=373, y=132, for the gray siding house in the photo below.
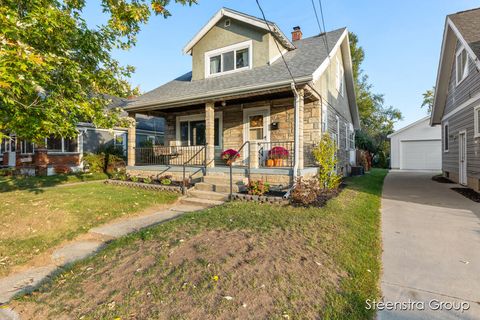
x=240, y=95
x=457, y=98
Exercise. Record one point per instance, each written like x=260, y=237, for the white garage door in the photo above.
x=421, y=155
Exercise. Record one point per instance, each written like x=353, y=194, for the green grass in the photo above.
x=36, y=183
x=344, y=236
x=33, y=222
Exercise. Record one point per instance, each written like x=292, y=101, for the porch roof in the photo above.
x=303, y=61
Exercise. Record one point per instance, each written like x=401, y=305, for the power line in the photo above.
x=276, y=43
x=323, y=23
x=320, y=28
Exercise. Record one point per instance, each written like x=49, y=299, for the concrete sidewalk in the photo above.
x=431, y=243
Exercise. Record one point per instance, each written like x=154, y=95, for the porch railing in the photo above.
x=193, y=158
x=169, y=155
x=276, y=154
x=245, y=146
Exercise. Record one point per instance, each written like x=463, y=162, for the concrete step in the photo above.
x=205, y=203
x=222, y=188
x=224, y=179
x=209, y=195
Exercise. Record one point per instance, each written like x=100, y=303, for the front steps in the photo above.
x=214, y=189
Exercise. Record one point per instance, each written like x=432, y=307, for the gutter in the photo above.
x=217, y=94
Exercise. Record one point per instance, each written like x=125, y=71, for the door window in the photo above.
x=256, y=127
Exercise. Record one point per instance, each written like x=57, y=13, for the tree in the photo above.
x=56, y=71
x=377, y=120
x=428, y=97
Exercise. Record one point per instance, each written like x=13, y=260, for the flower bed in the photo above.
x=146, y=186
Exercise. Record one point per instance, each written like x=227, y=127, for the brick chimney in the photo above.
x=296, y=33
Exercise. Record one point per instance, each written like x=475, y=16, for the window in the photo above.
x=476, y=119
x=338, y=133
x=347, y=136
x=26, y=147
x=445, y=137
x=120, y=142
x=229, y=59
x=192, y=132
x=339, y=77
x=351, y=137
x=62, y=145
x=256, y=127
x=324, y=118
x=462, y=65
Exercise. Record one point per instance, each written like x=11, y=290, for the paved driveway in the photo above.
x=431, y=243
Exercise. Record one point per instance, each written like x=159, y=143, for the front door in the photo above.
x=256, y=128
x=12, y=148
x=462, y=151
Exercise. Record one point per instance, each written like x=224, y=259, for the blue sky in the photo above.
x=401, y=39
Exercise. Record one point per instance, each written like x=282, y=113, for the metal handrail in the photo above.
x=204, y=148
x=248, y=167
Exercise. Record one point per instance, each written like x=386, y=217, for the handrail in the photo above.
x=188, y=161
x=248, y=167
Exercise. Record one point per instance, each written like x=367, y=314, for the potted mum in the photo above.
x=229, y=156
x=277, y=154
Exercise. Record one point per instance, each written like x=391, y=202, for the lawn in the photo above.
x=34, y=219
x=239, y=260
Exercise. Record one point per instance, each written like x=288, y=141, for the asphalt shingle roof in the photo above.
x=302, y=61
x=468, y=23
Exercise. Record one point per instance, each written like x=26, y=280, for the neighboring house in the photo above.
x=239, y=95
x=62, y=154
x=457, y=98
x=417, y=146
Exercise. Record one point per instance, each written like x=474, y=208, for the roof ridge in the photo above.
x=322, y=34
x=464, y=11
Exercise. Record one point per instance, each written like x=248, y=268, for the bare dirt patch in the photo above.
x=214, y=274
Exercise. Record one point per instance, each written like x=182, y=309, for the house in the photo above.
x=65, y=154
x=457, y=98
x=240, y=95
x=417, y=146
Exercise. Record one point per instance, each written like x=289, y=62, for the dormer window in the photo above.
x=461, y=65
x=229, y=59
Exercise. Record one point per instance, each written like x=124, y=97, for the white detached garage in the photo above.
x=417, y=146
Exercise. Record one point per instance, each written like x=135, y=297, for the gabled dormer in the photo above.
x=232, y=42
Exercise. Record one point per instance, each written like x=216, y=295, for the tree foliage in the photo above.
x=56, y=71
x=325, y=155
x=377, y=120
x=428, y=97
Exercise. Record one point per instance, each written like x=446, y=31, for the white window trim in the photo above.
x=476, y=133
x=347, y=137
x=198, y=117
x=238, y=46
x=467, y=65
x=340, y=75
x=124, y=141
x=338, y=132
x=324, y=118
x=256, y=111
x=448, y=136
x=22, y=148
x=63, y=147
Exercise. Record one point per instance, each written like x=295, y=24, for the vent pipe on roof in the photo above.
x=296, y=33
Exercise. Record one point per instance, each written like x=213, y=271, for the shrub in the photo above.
x=147, y=180
x=309, y=192
x=230, y=155
x=94, y=162
x=166, y=181
x=325, y=155
x=62, y=169
x=6, y=172
x=258, y=188
x=278, y=153
x=134, y=178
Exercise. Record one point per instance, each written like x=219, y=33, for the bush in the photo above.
x=62, y=169
x=134, y=178
x=166, y=181
x=309, y=192
x=6, y=172
x=258, y=188
x=147, y=180
x=326, y=157
x=94, y=162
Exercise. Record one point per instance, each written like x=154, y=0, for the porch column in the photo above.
x=253, y=156
x=131, y=141
x=299, y=156
x=209, y=133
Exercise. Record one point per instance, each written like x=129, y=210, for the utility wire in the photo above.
x=278, y=47
x=323, y=23
x=324, y=37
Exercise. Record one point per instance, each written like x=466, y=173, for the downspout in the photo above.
x=296, y=154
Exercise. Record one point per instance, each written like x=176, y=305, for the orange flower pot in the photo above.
x=270, y=163
x=278, y=162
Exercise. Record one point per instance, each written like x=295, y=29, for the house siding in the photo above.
x=220, y=36
x=466, y=89
x=462, y=120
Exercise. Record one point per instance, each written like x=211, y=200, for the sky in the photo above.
x=401, y=39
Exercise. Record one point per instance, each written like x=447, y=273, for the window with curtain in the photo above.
x=193, y=133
